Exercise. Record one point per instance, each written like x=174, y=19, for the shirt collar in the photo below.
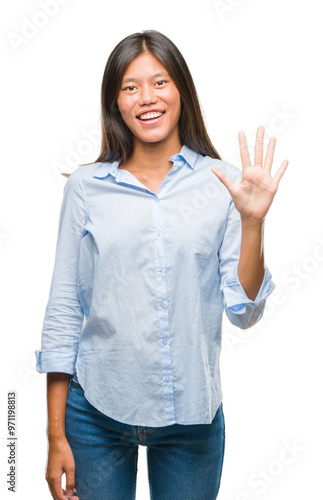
x=105, y=168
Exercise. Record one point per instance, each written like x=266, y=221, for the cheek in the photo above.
x=174, y=101
x=124, y=107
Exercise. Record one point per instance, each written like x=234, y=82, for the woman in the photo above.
x=155, y=239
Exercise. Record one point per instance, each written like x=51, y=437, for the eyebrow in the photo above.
x=130, y=79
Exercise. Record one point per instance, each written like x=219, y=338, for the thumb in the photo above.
x=224, y=178
x=69, y=494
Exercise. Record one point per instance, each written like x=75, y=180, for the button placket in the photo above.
x=166, y=361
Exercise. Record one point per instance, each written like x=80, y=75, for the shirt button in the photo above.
x=158, y=233
x=159, y=269
x=156, y=200
x=162, y=305
x=168, y=378
x=165, y=341
x=175, y=168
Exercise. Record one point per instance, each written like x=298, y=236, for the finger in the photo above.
x=259, y=146
x=70, y=481
x=270, y=154
x=224, y=178
x=244, y=153
x=70, y=496
x=280, y=172
x=57, y=489
x=51, y=488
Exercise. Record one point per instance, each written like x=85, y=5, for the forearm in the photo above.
x=251, y=265
x=57, y=389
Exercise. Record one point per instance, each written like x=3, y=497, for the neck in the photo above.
x=154, y=155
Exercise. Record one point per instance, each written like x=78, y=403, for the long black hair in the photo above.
x=117, y=139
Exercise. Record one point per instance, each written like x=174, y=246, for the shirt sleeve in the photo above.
x=64, y=316
x=241, y=311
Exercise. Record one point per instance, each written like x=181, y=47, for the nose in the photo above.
x=147, y=96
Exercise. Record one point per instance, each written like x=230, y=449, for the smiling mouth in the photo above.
x=146, y=117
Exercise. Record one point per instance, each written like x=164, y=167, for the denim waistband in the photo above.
x=74, y=377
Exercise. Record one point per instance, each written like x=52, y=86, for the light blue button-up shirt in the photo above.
x=151, y=274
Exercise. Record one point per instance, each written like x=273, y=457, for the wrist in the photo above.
x=55, y=438
x=56, y=432
x=252, y=223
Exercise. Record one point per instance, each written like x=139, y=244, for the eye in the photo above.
x=130, y=88
x=161, y=82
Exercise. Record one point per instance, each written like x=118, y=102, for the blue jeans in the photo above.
x=184, y=461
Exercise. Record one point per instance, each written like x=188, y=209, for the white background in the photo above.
x=253, y=63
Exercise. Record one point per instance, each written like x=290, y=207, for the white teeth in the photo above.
x=148, y=116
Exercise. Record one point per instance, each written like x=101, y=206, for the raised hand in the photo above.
x=256, y=191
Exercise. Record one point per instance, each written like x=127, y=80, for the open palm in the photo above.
x=256, y=191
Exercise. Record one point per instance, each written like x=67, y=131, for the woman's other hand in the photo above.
x=60, y=461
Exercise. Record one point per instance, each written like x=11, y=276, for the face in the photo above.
x=147, y=88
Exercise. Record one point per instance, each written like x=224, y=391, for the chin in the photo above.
x=151, y=139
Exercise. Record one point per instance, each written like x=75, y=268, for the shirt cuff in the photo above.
x=235, y=297
x=55, y=361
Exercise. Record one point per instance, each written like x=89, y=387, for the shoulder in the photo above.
x=84, y=171
x=81, y=175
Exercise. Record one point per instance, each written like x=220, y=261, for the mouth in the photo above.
x=151, y=117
